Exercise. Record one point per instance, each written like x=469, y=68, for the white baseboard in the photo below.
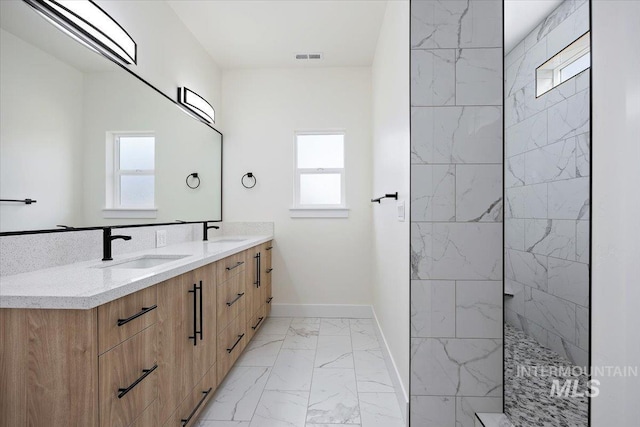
x=322, y=310
x=353, y=312
x=401, y=393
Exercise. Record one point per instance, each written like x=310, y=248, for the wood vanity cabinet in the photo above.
x=186, y=334
x=151, y=358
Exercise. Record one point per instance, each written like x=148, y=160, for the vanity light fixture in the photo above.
x=196, y=105
x=86, y=22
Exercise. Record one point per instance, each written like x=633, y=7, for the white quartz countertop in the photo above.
x=86, y=285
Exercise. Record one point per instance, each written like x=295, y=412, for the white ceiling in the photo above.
x=522, y=16
x=252, y=34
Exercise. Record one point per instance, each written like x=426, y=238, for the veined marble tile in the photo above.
x=433, y=77
x=535, y=200
x=212, y=423
x=432, y=192
x=523, y=70
x=274, y=326
x=380, y=410
x=514, y=171
x=569, y=118
x=305, y=321
x=569, y=280
x=261, y=351
x=479, y=76
x=441, y=366
x=371, y=372
x=479, y=309
x=334, y=352
x=514, y=54
x=433, y=411
x=456, y=135
x=281, y=409
x=453, y=24
x=568, y=30
x=582, y=241
x=583, y=151
x=302, y=336
x=238, y=395
x=459, y=251
x=364, y=335
x=583, y=80
x=514, y=233
x=582, y=327
x=551, y=237
x=515, y=302
x=478, y=193
x=466, y=408
x=331, y=425
x=515, y=108
x=552, y=313
x=555, y=18
x=569, y=199
x=526, y=135
x=292, y=371
x=552, y=162
x=534, y=104
x=526, y=268
x=433, y=308
x=334, y=397
x=335, y=327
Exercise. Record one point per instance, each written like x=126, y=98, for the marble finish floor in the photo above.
x=308, y=372
x=528, y=400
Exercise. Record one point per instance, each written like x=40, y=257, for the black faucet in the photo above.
x=205, y=230
x=107, y=238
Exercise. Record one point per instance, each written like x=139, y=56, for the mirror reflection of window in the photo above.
x=134, y=173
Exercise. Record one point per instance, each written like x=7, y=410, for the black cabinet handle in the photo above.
x=200, y=332
x=269, y=248
x=145, y=373
x=269, y=300
x=185, y=421
x=194, y=291
x=235, y=266
x=229, y=350
x=257, y=324
x=269, y=270
x=144, y=310
x=229, y=304
x=259, y=269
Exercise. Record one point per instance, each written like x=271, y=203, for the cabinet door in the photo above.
x=253, y=301
x=185, y=308
x=267, y=273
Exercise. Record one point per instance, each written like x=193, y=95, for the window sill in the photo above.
x=130, y=213
x=319, y=212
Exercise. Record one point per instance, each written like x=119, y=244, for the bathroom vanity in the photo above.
x=144, y=340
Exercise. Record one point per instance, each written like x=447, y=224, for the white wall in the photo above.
x=40, y=137
x=169, y=56
x=390, y=174
x=316, y=261
x=616, y=203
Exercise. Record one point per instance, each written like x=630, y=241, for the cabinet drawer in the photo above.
x=190, y=409
x=149, y=417
x=231, y=301
x=123, y=318
x=128, y=379
x=257, y=320
x=231, y=342
x=231, y=266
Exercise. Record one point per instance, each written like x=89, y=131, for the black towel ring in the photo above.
x=250, y=176
x=194, y=176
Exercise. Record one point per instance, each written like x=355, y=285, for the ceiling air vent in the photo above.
x=309, y=56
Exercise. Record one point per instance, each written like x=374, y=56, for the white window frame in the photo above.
x=114, y=209
x=549, y=75
x=319, y=211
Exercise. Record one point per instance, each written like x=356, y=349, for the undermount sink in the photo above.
x=228, y=240
x=146, y=261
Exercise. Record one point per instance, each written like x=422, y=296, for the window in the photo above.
x=130, y=173
x=319, y=175
x=569, y=62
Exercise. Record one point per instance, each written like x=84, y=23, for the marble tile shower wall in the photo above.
x=547, y=191
x=456, y=211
